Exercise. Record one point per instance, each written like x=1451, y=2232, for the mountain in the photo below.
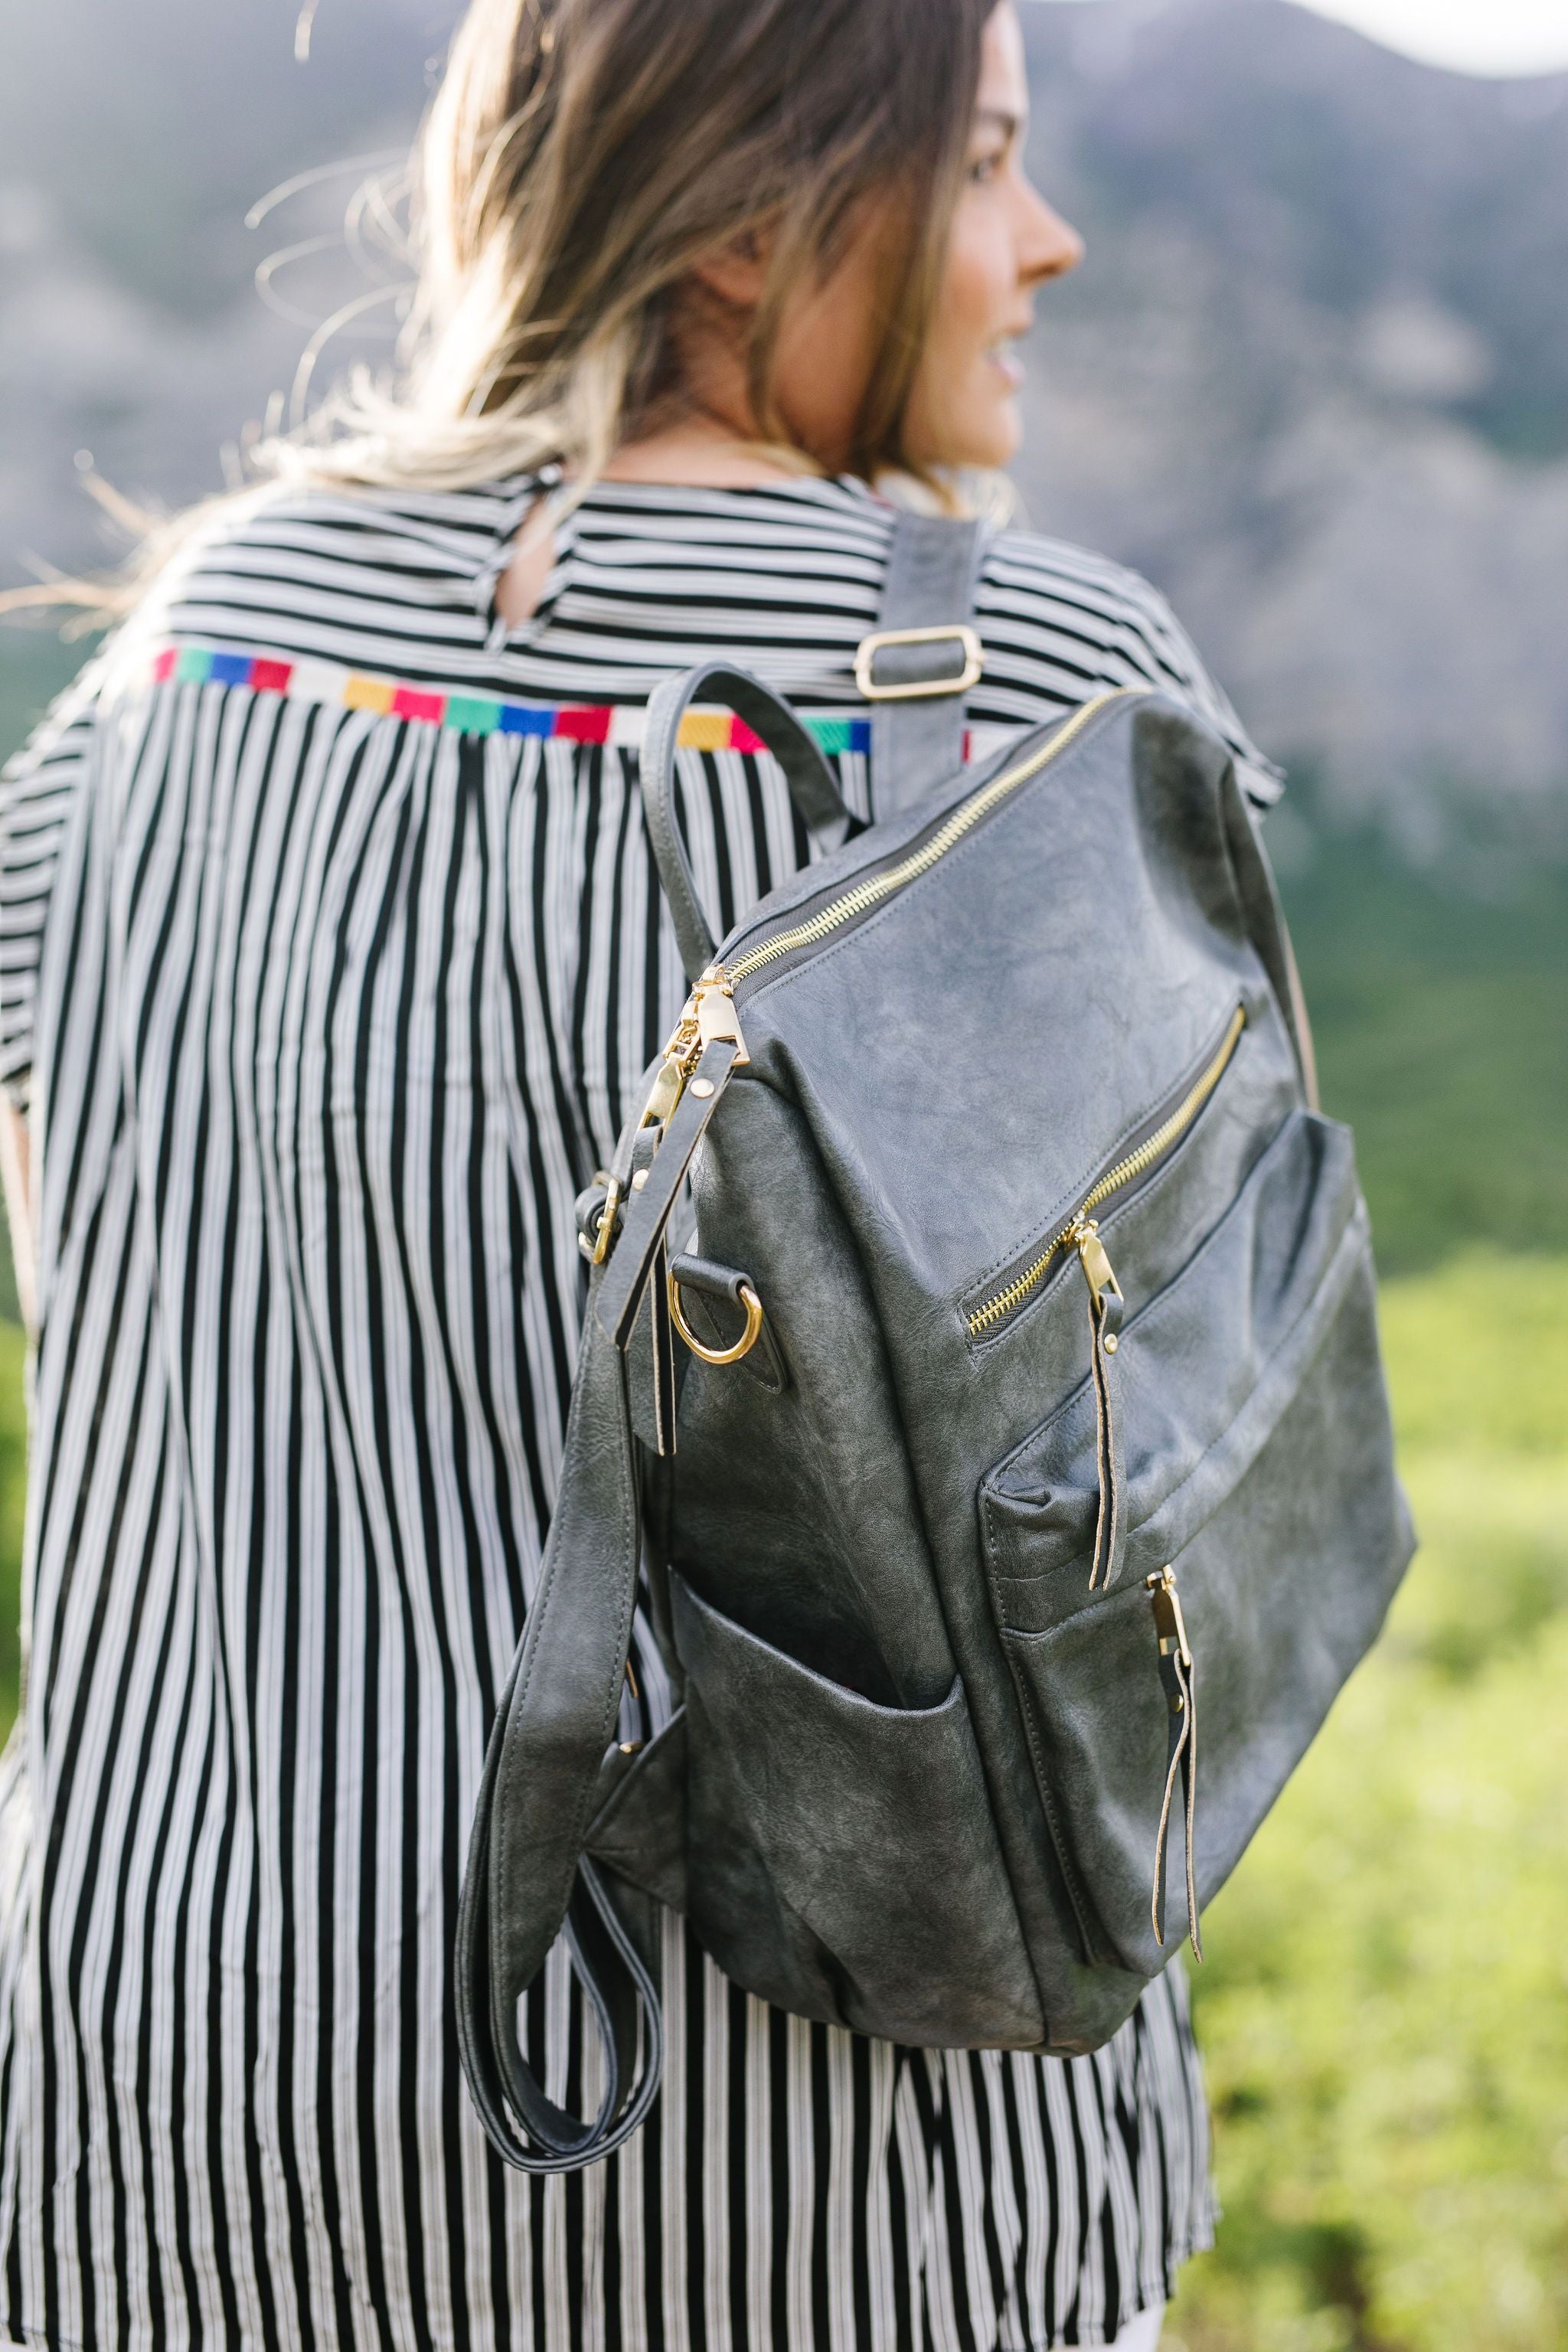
x=1313, y=377
x=134, y=140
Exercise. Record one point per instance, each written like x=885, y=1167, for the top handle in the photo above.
x=810, y=780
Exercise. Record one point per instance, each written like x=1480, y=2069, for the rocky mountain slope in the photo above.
x=1314, y=377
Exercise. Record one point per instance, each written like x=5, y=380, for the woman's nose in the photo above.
x=1052, y=246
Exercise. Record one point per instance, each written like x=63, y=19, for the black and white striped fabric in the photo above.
x=324, y=1014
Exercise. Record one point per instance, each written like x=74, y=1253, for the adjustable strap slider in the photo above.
x=905, y=665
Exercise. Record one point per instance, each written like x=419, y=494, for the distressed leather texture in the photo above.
x=915, y=1784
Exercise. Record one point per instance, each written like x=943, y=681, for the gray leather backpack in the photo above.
x=981, y=1366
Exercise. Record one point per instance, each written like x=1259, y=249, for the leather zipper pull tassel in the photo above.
x=1105, y=1310
x=1180, y=1681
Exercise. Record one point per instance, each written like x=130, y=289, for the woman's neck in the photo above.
x=699, y=452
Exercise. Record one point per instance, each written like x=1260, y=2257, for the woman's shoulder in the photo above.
x=350, y=572
x=1085, y=604
x=403, y=531
x=1061, y=622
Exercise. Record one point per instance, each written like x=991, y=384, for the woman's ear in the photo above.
x=738, y=274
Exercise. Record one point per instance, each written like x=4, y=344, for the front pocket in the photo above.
x=1258, y=1465
x=1203, y=1372
x=1143, y=1154
x=842, y=1858
x=994, y=1306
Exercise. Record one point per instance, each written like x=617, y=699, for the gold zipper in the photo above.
x=869, y=894
x=1079, y=1231
x=710, y=1010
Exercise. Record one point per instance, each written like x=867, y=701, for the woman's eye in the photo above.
x=985, y=167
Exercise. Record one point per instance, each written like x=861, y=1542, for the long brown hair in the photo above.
x=581, y=158
x=584, y=156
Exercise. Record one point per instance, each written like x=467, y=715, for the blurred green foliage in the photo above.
x=35, y=664
x=1439, y=998
x=1384, y=2009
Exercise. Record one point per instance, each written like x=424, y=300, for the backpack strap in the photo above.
x=922, y=659
x=527, y=1880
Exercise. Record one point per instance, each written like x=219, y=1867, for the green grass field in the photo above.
x=1384, y=2008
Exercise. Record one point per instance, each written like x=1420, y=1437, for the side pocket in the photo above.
x=842, y=1858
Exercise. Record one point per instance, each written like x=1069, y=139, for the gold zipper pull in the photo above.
x=668, y=1088
x=1169, y=1623
x=1101, y=1276
x=709, y=1013
x=714, y=1001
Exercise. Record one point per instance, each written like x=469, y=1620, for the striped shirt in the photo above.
x=329, y=984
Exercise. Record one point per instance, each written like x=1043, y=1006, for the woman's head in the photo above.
x=806, y=218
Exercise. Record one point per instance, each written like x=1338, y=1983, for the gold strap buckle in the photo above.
x=966, y=638
x=743, y=1345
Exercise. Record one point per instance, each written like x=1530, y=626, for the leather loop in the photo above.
x=527, y=1881
x=806, y=772
x=707, y=1287
x=1180, y=1683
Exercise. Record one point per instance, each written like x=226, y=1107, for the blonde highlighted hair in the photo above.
x=580, y=161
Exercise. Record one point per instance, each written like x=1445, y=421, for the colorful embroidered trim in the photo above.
x=619, y=725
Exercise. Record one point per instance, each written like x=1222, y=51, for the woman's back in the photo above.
x=333, y=948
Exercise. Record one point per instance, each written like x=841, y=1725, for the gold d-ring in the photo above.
x=743, y=1345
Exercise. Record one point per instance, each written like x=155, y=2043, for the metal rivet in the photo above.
x=702, y=1088
x=1112, y=1343
x=639, y=1180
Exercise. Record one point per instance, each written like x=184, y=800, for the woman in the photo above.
x=333, y=958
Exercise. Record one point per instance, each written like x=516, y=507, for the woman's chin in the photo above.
x=987, y=441
x=991, y=441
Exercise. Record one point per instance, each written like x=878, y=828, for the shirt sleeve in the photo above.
x=1180, y=669
x=39, y=788
x=1063, y=623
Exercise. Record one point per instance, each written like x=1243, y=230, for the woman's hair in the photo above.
x=582, y=158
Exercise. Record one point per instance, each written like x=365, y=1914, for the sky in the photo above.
x=1484, y=36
